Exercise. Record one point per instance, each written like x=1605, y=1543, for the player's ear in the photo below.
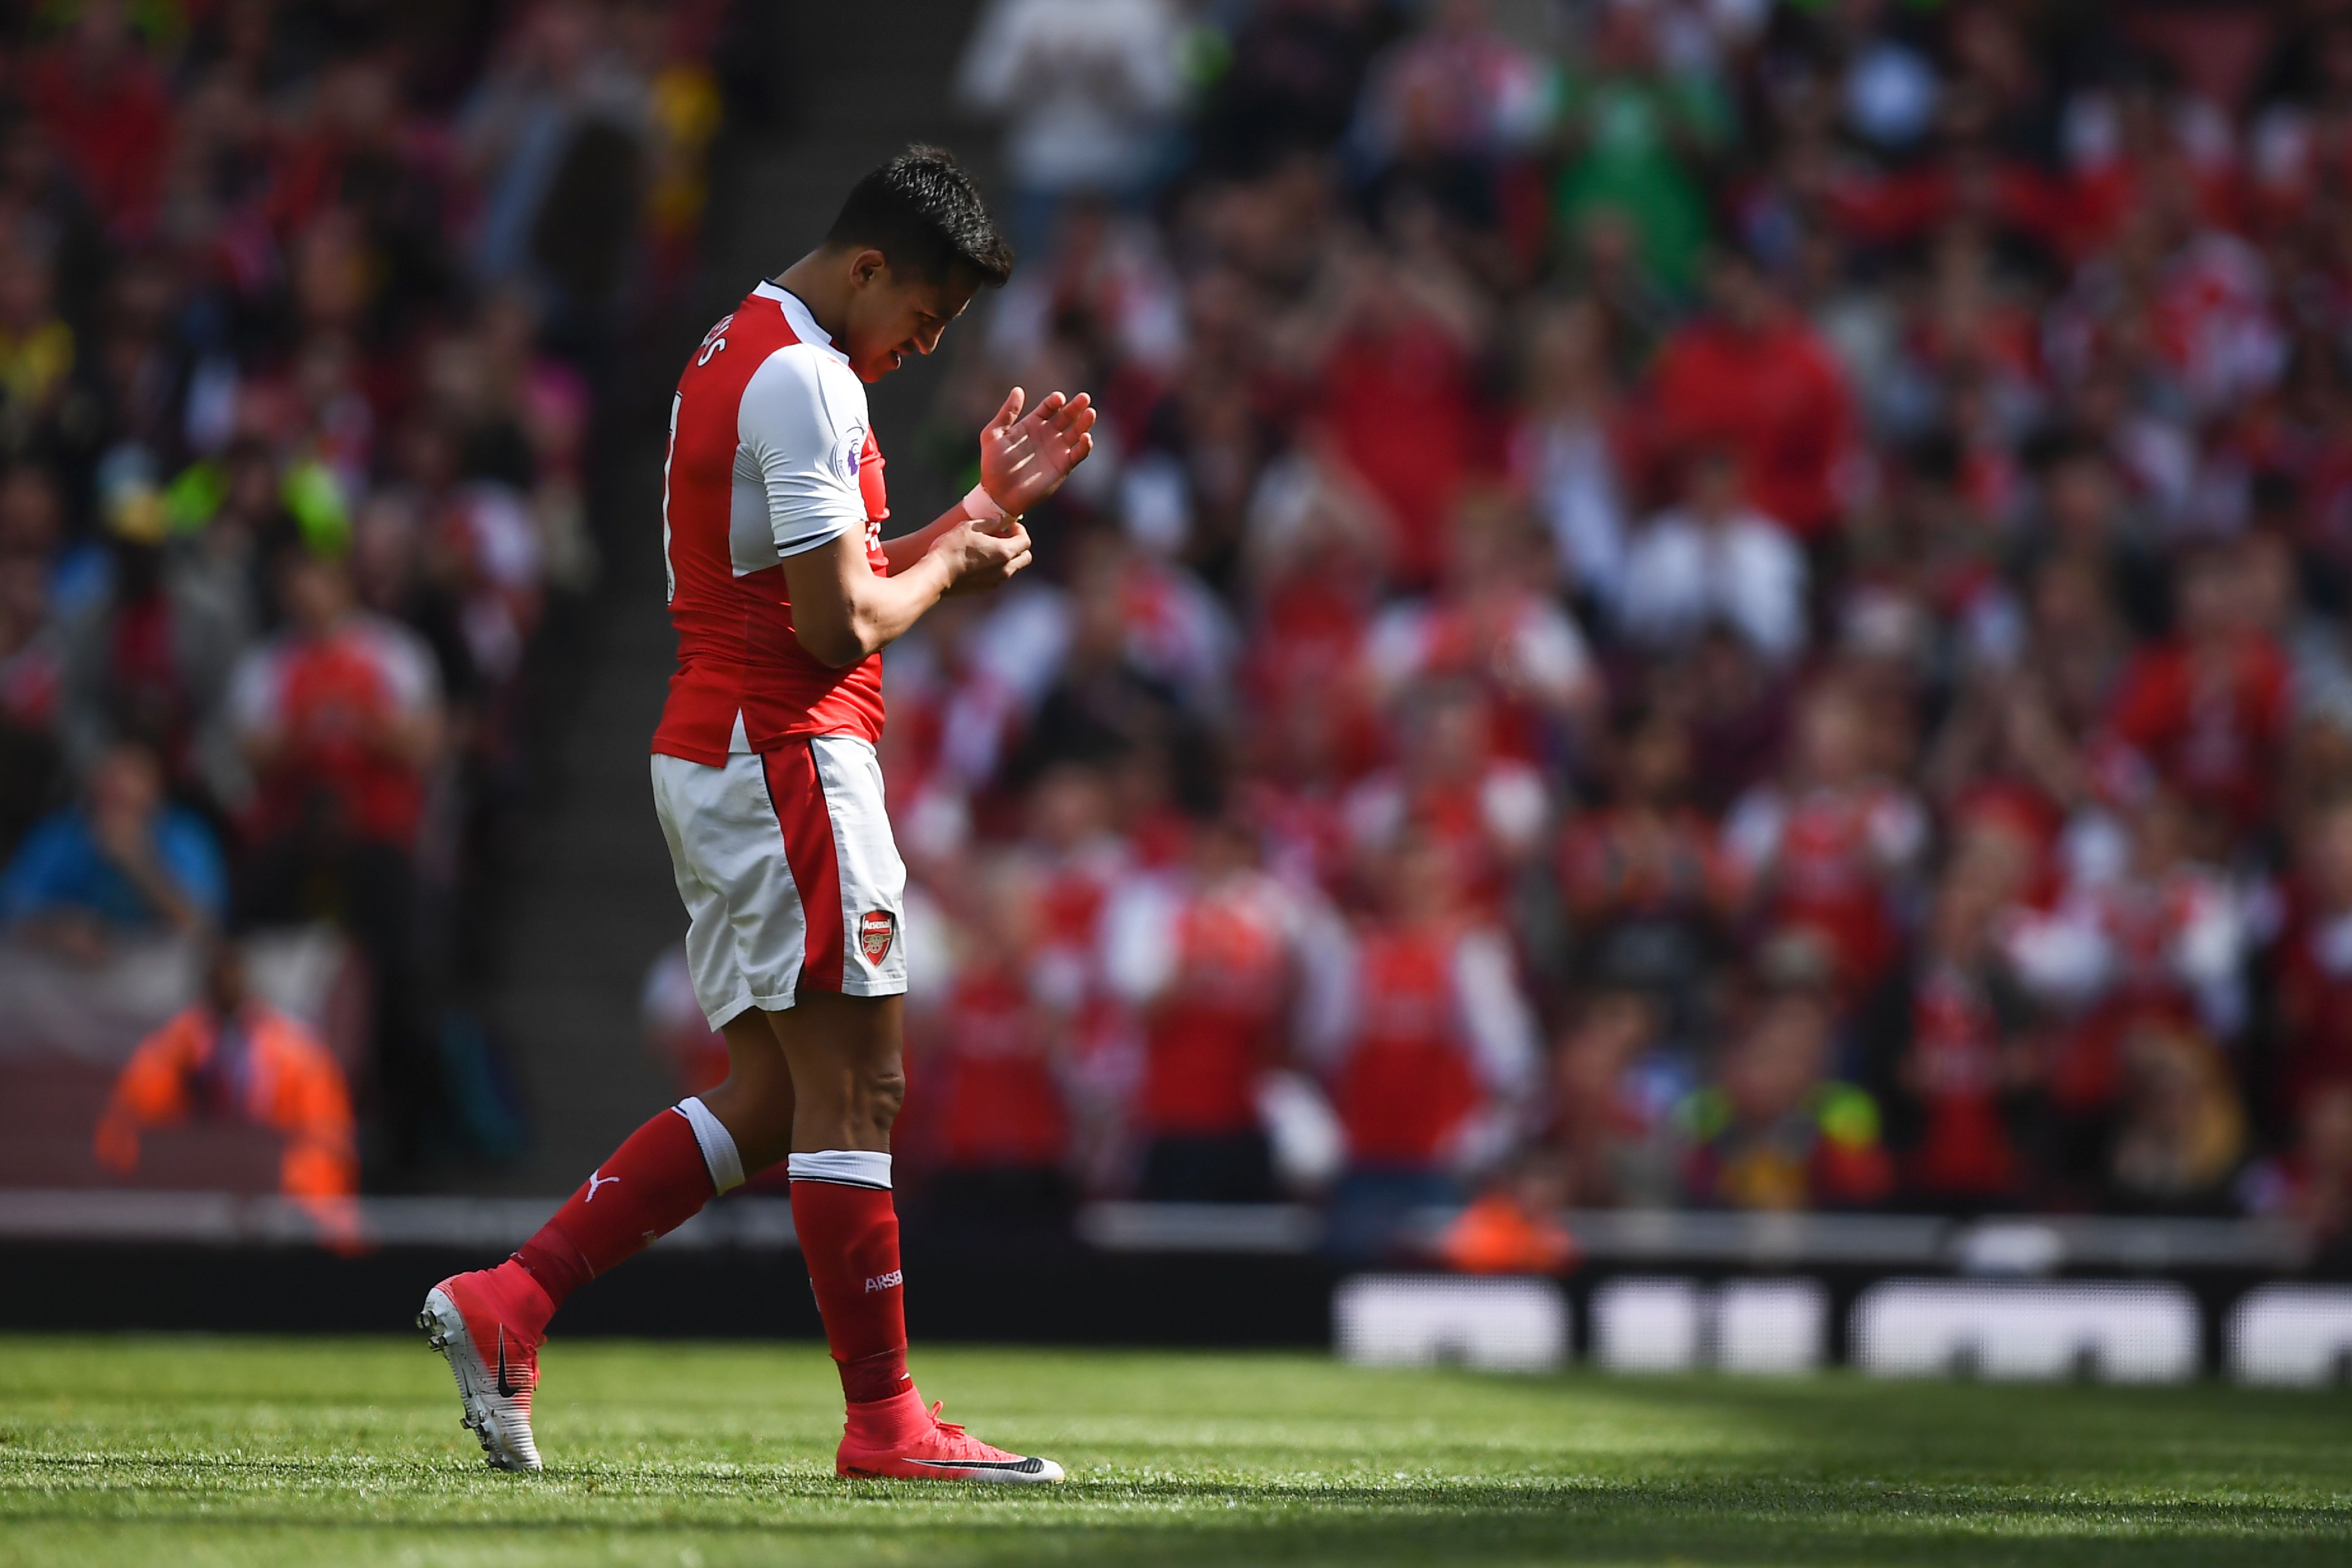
x=866, y=266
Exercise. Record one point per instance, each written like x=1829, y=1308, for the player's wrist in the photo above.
x=984, y=508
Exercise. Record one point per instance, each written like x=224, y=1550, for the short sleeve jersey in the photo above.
x=318, y=696
x=770, y=454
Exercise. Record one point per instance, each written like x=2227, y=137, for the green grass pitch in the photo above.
x=192, y=1451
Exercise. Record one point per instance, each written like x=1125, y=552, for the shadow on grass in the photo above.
x=1362, y=1527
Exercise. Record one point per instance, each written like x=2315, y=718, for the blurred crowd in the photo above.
x=303, y=313
x=1682, y=602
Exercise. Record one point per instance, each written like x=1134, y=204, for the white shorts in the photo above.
x=789, y=872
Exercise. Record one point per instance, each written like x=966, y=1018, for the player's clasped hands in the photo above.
x=987, y=555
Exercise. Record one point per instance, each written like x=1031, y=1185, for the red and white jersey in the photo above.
x=1208, y=966
x=1826, y=845
x=323, y=700
x=770, y=455
x=1487, y=821
x=994, y=1089
x=1955, y=1070
x=2182, y=933
x=1426, y=1040
x=1828, y=860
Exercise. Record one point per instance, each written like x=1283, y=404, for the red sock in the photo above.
x=849, y=1237
x=651, y=1184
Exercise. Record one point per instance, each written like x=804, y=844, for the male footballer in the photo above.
x=784, y=593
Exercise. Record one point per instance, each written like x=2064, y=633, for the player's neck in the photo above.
x=820, y=288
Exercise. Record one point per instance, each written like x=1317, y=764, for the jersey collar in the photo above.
x=797, y=317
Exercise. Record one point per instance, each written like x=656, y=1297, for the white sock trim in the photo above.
x=848, y=1167
x=718, y=1152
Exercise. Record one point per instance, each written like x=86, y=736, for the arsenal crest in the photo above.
x=875, y=930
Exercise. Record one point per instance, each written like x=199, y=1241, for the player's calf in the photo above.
x=489, y=1324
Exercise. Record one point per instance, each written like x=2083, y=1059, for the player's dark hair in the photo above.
x=922, y=211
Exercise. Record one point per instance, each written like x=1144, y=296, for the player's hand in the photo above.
x=1025, y=458
x=979, y=560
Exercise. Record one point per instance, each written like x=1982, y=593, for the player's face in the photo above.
x=892, y=315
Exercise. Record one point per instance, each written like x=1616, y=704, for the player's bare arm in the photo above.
x=842, y=611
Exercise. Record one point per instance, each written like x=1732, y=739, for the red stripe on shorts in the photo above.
x=797, y=793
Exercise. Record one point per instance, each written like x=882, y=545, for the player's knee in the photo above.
x=757, y=1115
x=883, y=1090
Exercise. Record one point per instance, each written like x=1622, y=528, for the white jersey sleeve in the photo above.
x=800, y=431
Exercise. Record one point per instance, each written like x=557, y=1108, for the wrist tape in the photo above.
x=982, y=508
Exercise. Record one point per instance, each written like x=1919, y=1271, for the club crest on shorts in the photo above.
x=876, y=928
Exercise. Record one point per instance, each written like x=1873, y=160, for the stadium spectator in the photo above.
x=1206, y=953
x=1078, y=862
x=124, y=861
x=1637, y=131
x=1087, y=88
x=1488, y=811
x=1444, y=129
x=107, y=107
x=1387, y=349
x=341, y=716
x=1564, y=450
x=1774, y=1130
x=1647, y=890
x=1513, y=1225
x=553, y=135
x=2208, y=708
x=1297, y=69
x=38, y=356
x=231, y=1057
x=987, y=1114
x=2181, y=1133
x=1712, y=559
x=1966, y=1063
x=2312, y=1182
x=1827, y=853
x=2156, y=942
x=149, y=657
x=1615, y=1090
x=1461, y=82
x=2316, y=966
x=1752, y=378
x=1428, y=1047
x=1487, y=624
